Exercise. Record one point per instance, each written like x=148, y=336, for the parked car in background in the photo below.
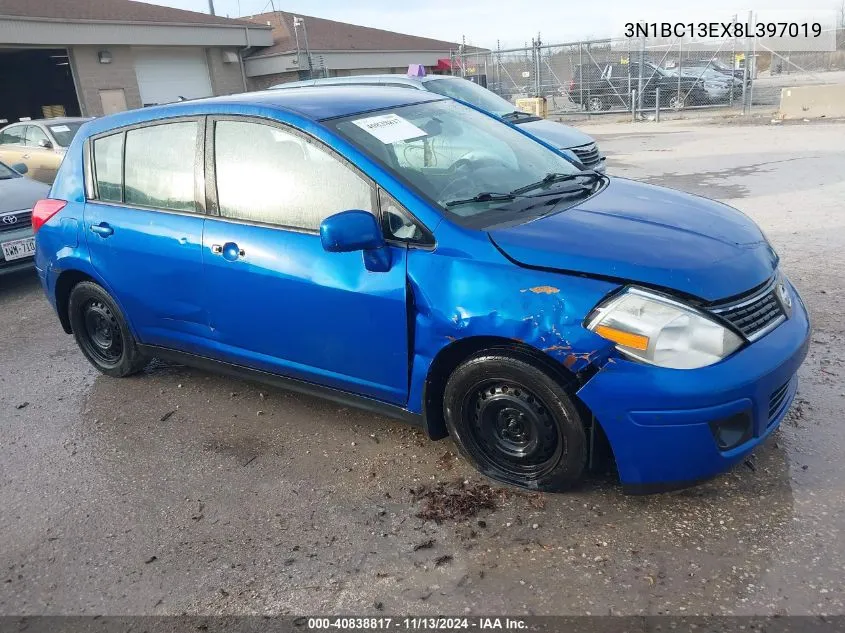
x=719, y=88
x=691, y=67
x=17, y=197
x=40, y=145
x=606, y=86
x=566, y=138
x=400, y=251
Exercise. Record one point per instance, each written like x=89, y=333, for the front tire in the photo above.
x=100, y=330
x=515, y=423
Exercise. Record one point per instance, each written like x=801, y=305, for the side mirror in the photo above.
x=351, y=231
x=355, y=230
x=45, y=144
x=20, y=168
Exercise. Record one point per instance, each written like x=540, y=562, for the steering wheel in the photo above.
x=462, y=176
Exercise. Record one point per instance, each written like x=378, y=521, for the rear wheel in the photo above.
x=101, y=332
x=677, y=102
x=596, y=104
x=515, y=423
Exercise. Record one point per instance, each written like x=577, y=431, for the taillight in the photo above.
x=44, y=210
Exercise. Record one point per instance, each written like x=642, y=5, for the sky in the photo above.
x=511, y=22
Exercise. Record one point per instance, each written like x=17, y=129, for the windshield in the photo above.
x=472, y=93
x=453, y=154
x=64, y=132
x=7, y=172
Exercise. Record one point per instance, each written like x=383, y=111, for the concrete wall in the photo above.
x=265, y=81
x=226, y=78
x=813, y=102
x=92, y=76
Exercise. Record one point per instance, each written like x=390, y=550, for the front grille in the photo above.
x=588, y=154
x=776, y=400
x=756, y=315
x=15, y=220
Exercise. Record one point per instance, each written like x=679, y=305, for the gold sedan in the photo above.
x=40, y=145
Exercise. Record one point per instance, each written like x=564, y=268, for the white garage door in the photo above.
x=165, y=74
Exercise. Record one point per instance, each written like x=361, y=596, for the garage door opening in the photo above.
x=37, y=83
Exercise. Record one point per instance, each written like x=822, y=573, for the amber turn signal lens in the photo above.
x=626, y=339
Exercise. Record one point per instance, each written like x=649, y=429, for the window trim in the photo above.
x=211, y=169
x=92, y=191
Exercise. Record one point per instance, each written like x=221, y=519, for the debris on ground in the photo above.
x=442, y=560
x=151, y=559
x=166, y=416
x=455, y=501
x=446, y=460
x=424, y=545
x=22, y=405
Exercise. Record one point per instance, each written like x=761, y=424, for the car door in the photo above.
x=43, y=161
x=276, y=300
x=12, y=146
x=143, y=223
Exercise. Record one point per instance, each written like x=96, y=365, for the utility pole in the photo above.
x=211, y=7
x=297, y=22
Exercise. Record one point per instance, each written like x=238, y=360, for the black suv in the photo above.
x=609, y=85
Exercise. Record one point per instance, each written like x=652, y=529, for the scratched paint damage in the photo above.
x=456, y=299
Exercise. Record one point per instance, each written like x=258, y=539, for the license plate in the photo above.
x=17, y=249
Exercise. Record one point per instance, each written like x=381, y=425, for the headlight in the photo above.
x=663, y=332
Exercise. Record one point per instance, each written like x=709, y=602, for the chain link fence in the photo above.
x=640, y=75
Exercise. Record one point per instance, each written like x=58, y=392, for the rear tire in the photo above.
x=515, y=423
x=596, y=104
x=100, y=330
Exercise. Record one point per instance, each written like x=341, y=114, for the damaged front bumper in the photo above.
x=671, y=428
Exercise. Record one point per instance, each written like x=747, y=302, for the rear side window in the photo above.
x=159, y=170
x=13, y=136
x=108, y=167
x=265, y=174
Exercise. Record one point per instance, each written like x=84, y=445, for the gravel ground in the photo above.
x=179, y=491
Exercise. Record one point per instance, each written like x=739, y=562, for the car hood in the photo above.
x=650, y=235
x=556, y=134
x=20, y=193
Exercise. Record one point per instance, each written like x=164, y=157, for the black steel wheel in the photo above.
x=101, y=332
x=515, y=422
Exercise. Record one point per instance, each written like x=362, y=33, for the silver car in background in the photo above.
x=17, y=197
x=567, y=139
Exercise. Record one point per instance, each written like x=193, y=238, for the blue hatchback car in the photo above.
x=403, y=252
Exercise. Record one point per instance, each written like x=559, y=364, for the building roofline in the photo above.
x=242, y=24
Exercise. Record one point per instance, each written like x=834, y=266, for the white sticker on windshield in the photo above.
x=390, y=128
x=60, y=128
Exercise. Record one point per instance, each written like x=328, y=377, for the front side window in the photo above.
x=159, y=170
x=108, y=167
x=465, y=162
x=35, y=136
x=265, y=174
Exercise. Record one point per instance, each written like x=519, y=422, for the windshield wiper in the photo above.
x=552, y=178
x=484, y=196
x=516, y=114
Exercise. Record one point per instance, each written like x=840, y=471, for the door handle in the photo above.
x=230, y=251
x=102, y=229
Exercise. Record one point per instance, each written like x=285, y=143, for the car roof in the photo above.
x=358, y=79
x=316, y=104
x=53, y=121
